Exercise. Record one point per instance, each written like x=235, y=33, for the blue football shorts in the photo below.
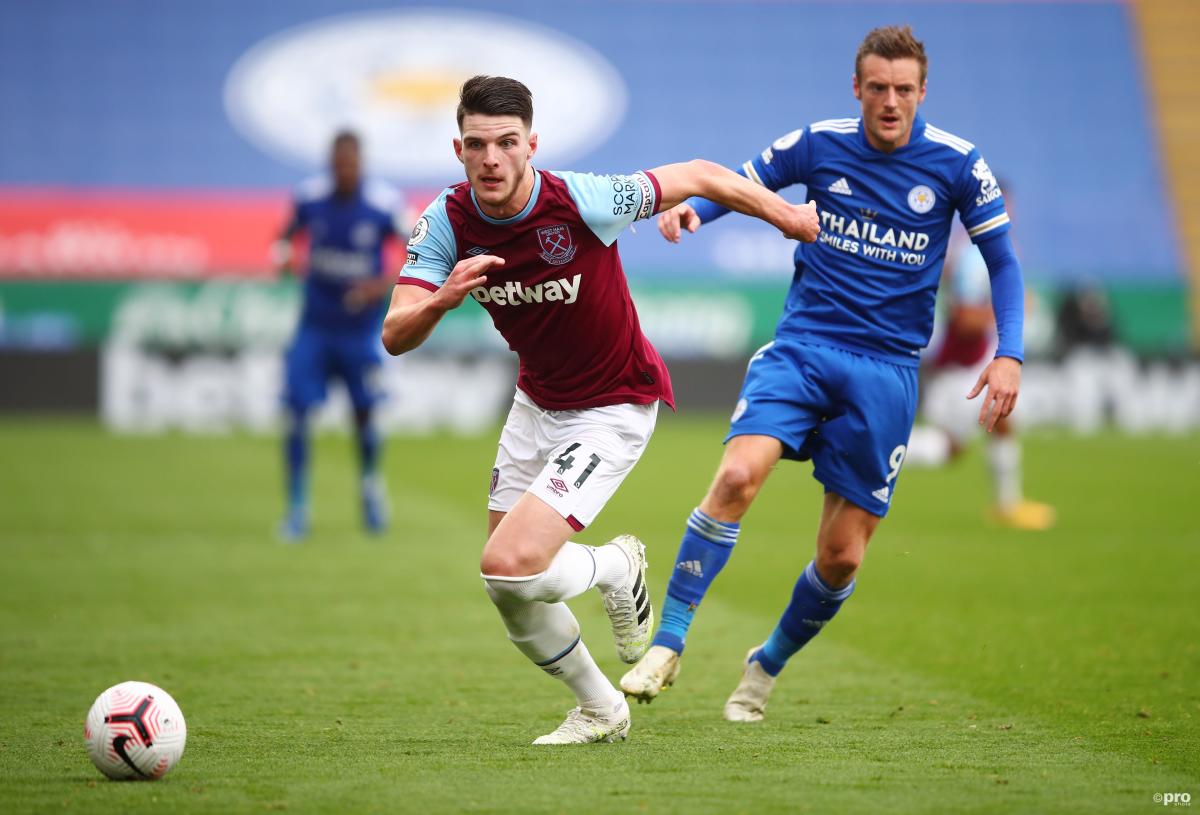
x=316, y=356
x=851, y=414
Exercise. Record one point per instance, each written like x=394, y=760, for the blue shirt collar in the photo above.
x=918, y=130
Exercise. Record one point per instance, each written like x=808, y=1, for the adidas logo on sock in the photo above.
x=841, y=187
x=692, y=567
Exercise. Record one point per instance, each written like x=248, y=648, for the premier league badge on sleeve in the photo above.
x=420, y=231
x=555, y=242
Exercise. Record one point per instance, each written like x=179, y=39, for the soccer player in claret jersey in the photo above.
x=838, y=385
x=537, y=249
x=348, y=219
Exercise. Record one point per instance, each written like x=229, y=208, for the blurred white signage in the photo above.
x=146, y=392
x=394, y=77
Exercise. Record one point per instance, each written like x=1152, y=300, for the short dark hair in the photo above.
x=346, y=136
x=892, y=42
x=495, y=96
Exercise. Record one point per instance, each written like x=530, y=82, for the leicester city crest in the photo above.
x=555, y=242
x=921, y=199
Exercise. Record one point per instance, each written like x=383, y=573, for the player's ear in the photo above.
x=854, y=84
x=921, y=98
x=532, y=145
x=458, y=150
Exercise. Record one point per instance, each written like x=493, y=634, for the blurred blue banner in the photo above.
x=241, y=95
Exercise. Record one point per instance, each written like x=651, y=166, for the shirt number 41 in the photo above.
x=566, y=461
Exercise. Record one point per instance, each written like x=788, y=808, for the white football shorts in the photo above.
x=573, y=460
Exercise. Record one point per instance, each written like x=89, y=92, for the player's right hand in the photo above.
x=677, y=218
x=466, y=275
x=804, y=223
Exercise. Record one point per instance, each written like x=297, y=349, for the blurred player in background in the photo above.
x=538, y=250
x=962, y=346
x=347, y=220
x=839, y=382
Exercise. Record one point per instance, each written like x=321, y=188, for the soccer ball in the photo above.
x=135, y=730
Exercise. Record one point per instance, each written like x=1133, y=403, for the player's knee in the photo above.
x=510, y=561
x=506, y=590
x=736, y=484
x=838, y=569
x=838, y=561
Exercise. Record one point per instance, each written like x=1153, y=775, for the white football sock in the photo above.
x=574, y=570
x=548, y=634
x=612, y=566
x=1004, y=460
x=580, y=673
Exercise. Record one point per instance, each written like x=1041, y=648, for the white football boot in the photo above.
x=585, y=727
x=654, y=674
x=748, y=702
x=628, y=606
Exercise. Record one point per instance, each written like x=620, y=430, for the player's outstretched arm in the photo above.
x=1002, y=377
x=414, y=311
x=706, y=179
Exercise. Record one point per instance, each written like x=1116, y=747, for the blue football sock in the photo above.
x=813, y=604
x=296, y=454
x=704, y=550
x=676, y=618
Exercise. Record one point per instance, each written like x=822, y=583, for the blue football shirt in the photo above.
x=868, y=284
x=346, y=238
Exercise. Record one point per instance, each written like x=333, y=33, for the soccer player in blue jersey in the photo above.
x=347, y=219
x=838, y=385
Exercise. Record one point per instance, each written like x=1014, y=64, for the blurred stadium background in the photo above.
x=147, y=154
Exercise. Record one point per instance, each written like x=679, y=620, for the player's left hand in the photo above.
x=1002, y=378
x=677, y=218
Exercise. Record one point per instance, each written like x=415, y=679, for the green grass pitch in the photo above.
x=975, y=670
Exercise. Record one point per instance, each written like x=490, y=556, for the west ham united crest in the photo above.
x=556, y=244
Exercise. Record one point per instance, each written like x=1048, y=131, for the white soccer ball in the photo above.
x=135, y=730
